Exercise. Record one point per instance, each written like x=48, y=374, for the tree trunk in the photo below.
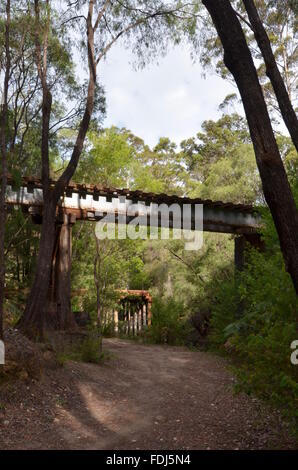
x=58, y=312
x=66, y=319
x=99, y=320
x=4, y=112
x=277, y=191
x=96, y=274
x=32, y=321
x=272, y=71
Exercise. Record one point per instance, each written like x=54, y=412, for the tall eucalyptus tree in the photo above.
x=148, y=29
x=276, y=188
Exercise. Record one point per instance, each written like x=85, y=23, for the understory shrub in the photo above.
x=169, y=325
x=90, y=349
x=256, y=318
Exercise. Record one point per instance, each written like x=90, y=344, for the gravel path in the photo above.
x=145, y=397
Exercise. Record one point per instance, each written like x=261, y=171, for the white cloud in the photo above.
x=171, y=99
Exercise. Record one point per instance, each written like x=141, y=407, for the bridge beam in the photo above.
x=217, y=216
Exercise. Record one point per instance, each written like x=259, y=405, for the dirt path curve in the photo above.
x=146, y=397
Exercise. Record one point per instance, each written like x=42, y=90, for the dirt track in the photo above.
x=146, y=397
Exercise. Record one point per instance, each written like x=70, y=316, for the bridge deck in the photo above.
x=93, y=202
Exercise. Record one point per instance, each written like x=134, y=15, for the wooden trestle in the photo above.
x=133, y=313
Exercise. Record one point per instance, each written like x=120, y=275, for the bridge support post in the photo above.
x=241, y=243
x=129, y=322
x=135, y=321
x=239, y=257
x=139, y=318
x=144, y=313
x=239, y=253
x=149, y=313
x=125, y=317
x=116, y=321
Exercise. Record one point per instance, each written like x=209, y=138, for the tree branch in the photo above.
x=101, y=14
x=186, y=264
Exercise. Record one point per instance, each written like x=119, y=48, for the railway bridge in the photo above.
x=94, y=202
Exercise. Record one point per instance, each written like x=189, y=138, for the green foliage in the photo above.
x=280, y=21
x=108, y=328
x=87, y=350
x=221, y=162
x=261, y=332
x=169, y=324
x=109, y=160
x=90, y=350
x=229, y=175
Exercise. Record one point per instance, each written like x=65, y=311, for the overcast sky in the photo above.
x=171, y=99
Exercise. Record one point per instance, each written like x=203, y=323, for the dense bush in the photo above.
x=260, y=332
x=169, y=326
